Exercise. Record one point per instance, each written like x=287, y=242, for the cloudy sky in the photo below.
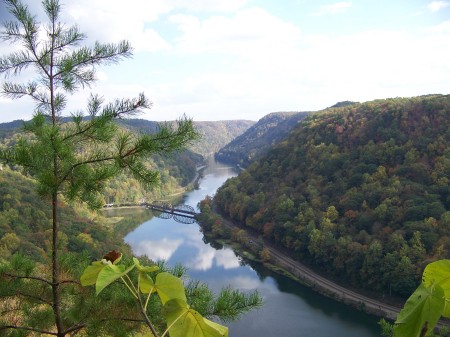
x=242, y=59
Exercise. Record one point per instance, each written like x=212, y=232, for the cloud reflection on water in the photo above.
x=157, y=250
x=206, y=256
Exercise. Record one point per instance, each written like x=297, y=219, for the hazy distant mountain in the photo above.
x=217, y=134
x=214, y=135
x=259, y=138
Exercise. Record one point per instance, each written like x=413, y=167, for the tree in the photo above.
x=73, y=160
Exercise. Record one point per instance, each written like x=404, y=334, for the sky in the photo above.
x=242, y=59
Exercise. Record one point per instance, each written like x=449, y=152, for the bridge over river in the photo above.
x=180, y=213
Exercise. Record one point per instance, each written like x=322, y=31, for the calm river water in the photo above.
x=290, y=309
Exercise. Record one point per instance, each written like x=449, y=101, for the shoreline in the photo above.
x=282, y=264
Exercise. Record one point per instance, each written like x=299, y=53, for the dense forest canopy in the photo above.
x=361, y=191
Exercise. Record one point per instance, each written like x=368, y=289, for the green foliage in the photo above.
x=353, y=181
x=70, y=161
x=427, y=304
x=181, y=319
x=25, y=227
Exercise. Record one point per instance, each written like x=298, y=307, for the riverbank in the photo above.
x=281, y=263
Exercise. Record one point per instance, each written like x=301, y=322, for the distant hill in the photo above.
x=8, y=129
x=259, y=138
x=343, y=103
x=217, y=134
x=214, y=134
x=361, y=192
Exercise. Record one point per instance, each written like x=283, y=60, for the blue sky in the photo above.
x=242, y=59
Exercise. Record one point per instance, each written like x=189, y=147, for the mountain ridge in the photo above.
x=360, y=191
x=258, y=138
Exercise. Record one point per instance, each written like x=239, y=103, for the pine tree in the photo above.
x=71, y=160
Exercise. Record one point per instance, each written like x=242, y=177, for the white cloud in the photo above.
x=249, y=63
x=442, y=28
x=284, y=69
x=335, y=8
x=249, y=31
x=157, y=250
x=436, y=6
x=211, y=6
x=111, y=21
x=227, y=259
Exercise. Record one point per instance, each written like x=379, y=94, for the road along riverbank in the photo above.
x=282, y=263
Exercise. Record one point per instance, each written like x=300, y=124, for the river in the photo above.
x=289, y=310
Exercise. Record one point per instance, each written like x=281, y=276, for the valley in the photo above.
x=367, y=208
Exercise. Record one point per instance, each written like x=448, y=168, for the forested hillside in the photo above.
x=258, y=139
x=361, y=192
x=176, y=171
x=215, y=135
x=25, y=220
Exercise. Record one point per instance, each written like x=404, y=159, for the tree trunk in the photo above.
x=55, y=268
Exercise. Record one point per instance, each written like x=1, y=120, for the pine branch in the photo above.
x=17, y=327
x=12, y=32
x=29, y=278
x=100, y=53
x=15, y=62
x=40, y=299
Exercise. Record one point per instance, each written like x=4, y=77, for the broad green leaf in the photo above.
x=446, y=311
x=90, y=274
x=168, y=287
x=146, y=283
x=220, y=328
x=438, y=272
x=422, y=310
x=185, y=322
x=145, y=269
x=109, y=274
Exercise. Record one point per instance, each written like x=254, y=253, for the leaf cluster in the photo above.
x=182, y=319
x=429, y=302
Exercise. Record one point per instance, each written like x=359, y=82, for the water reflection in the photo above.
x=176, y=243
x=290, y=309
x=162, y=249
x=207, y=257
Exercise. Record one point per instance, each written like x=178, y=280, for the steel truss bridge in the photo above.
x=181, y=213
